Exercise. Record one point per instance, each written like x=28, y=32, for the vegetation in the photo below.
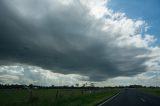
x=151, y=90
x=22, y=95
x=55, y=97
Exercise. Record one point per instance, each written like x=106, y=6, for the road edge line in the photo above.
x=109, y=99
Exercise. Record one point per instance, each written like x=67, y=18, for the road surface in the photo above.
x=132, y=97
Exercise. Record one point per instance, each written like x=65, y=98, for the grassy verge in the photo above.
x=153, y=91
x=54, y=97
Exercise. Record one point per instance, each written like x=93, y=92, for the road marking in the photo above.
x=109, y=99
x=142, y=100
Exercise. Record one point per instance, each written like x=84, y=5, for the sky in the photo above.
x=141, y=9
x=64, y=42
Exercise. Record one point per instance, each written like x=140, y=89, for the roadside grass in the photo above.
x=153, y=91
x=54, y=97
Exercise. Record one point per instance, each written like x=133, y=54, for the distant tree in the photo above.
x=52, y=86
x=84, y=85
x=77, y=85
x=31, y=86
x=135, y=86
x=72, y=86
x=92, y=85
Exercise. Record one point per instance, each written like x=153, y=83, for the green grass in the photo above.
x=47, y=97
x=153, y=91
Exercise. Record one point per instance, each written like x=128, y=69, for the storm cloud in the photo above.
x=69, y=38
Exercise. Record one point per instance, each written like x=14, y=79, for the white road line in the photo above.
x=109, y=99
x=142, y=100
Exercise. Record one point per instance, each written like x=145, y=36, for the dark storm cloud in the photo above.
x=65, y=40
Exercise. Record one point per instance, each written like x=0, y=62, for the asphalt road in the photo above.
x=132, y=97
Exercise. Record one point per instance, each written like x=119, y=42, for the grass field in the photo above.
x=153, y=91
x=54, y=97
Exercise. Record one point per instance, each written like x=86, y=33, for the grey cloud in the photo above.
x=65, y=40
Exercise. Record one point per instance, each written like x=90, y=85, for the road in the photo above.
x=132, y=97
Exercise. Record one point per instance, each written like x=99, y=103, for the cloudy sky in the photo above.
x=63, y=42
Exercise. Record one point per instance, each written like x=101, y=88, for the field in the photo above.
x=54, y=97
x=153, y=91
